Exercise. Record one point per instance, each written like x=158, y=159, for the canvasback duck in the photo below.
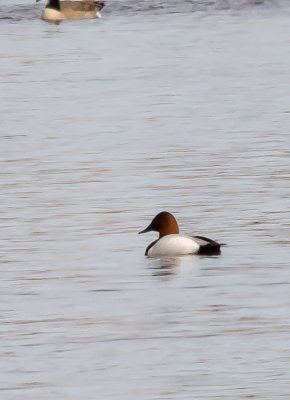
x=171, y=243
x=56, y=11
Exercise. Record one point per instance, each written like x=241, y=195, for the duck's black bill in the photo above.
x=148, y=229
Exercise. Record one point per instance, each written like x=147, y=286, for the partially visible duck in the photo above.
x=57, y=11
x=171, y=243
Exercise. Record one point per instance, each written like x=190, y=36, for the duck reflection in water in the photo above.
x=167, y=266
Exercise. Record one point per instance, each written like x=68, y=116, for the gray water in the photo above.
x=158, y=106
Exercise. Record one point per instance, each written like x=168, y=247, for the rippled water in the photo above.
x=105, y=123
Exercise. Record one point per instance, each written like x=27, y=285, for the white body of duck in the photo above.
x=57, y=11
x=171, y=243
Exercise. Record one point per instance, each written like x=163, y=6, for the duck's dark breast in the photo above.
x=149, y=247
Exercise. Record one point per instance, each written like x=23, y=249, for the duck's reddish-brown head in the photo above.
x=164, y=223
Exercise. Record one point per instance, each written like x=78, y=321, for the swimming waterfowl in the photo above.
x=171, y=243
x=57, y=11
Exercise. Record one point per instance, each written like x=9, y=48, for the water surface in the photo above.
x=105, y=123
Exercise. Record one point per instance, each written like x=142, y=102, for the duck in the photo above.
x=56, y=11
x=170, y=243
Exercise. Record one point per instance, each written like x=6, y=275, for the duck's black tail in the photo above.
x=99, y=4
x=208, y=246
